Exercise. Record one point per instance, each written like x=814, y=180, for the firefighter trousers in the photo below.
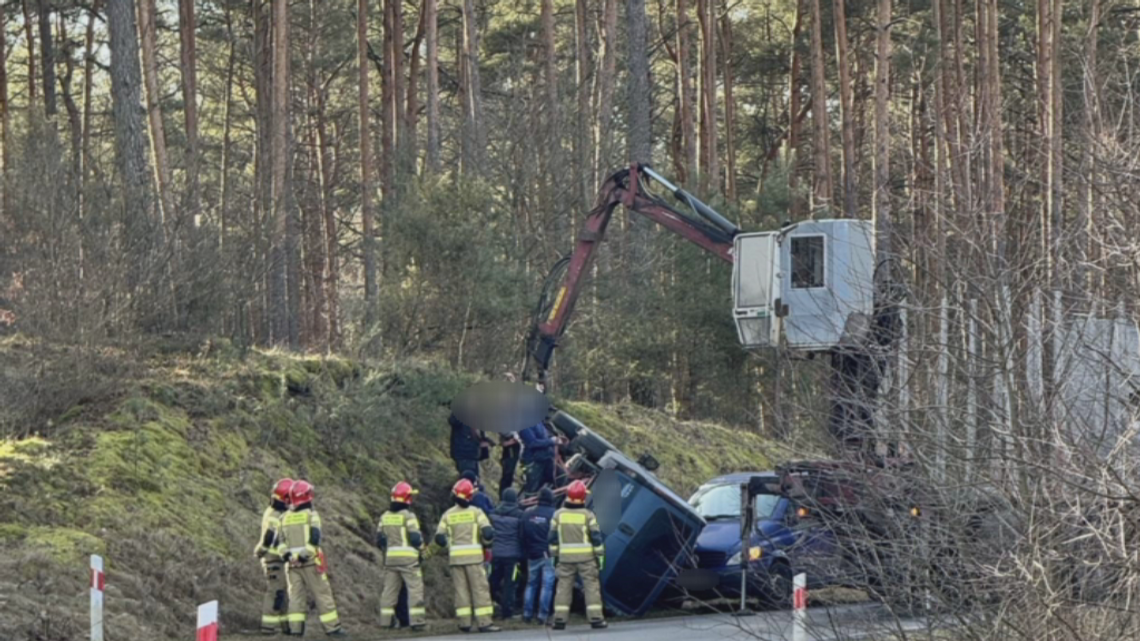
x=472, y=595
x=309, y=580
x=564, y=595
x=274, y=604
x=394, y=578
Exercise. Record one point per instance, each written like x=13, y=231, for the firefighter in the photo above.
x=467, y=533
x=300, y=547
x=274, y=602
x=398, y=537
x=578, y=551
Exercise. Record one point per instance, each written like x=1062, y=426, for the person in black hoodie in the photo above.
x=507, y=552
x=540, y=567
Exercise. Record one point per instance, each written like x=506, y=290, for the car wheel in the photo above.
x=778, y=586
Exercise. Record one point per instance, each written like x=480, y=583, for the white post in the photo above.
x=972, y=389
x=903, y=381
x=98, y=583
x=799, y=607
x=943, y=388
x=208, y=621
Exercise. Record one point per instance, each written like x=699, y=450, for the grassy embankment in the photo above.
x=162, y=464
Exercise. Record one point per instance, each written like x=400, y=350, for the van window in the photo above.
x=807, y=262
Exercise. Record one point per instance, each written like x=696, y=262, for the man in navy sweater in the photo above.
x=538, y=457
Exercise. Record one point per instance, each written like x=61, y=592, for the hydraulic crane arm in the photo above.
x=700, y=225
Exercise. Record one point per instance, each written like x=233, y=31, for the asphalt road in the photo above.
x=838, y=623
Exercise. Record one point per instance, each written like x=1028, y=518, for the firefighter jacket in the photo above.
x=270, y=526
x=300, y=535
x=575, y=537
x=398, y=536
x=464, y=531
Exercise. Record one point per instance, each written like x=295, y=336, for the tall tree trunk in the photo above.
x=47, y=51
x=475, y=139
x=794, y=106
x=710, y=155
x=188, y=63
x=1086, y=205
x=227, y=135
x=148, y=34
x=882, y=203
x=640, y=135
x=729, y=109
x=846, y=97
x=74, y=116
x=5, y=125
x=262, y=198
x=822, y=185
x=1057, y=157
x=30, y=38
x=285, y=291
x=88, y=84
x=395, y=57
x=583, y=72
x=412, y=111
x=130, y=144
x=603, y=137
x=367, y=186
x=431, y=17
x=551, y=146
x=687, y=97
x=1044, y=251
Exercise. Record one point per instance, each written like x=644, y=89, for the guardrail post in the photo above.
x=799, y=607
x=98, y=583
x=208, y=621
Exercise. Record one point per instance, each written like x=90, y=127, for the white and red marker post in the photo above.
x=208, y=621
x=799, y=607
x=98, y=583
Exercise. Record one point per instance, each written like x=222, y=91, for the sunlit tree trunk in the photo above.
x=431, y=17
x=603, y=137
x=846, y=97
x=794, y=102
x=729, y=109
x=583, y=73
x=147, y=34
x=367, y=186
x=687, y=98
x=188, y=63
x=475, y=138
x=821, y=144
x=882, y=202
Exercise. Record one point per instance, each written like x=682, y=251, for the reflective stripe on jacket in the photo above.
x=574, y=536
x=396, y=528
x=467, y=530
x=270, y=523
x=296, y=535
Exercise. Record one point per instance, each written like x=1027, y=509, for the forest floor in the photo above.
x=160, y=459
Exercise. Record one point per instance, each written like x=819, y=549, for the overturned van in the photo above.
x=650, y=530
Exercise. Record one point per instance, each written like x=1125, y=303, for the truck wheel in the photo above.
x=592, y=445
x=778, y=586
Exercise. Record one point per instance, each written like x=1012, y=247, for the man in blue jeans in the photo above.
x=540, y=567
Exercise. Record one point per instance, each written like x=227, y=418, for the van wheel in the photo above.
x=778, y=586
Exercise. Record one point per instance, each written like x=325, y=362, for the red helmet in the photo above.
x=403, y=492
x=281, y=490
x=301, y=493
x=464, y=489
x=577, y=492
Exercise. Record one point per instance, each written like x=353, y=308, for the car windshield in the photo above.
x=715, y=502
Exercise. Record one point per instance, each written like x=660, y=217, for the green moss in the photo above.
x=64, y=545
x=12, y=533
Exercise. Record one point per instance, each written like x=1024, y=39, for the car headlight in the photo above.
x=754, y=554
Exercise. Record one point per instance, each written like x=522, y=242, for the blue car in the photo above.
x=782, y=544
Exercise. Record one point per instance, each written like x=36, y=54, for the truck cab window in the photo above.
x=807, y=262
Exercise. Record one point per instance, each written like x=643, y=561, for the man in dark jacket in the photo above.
x=538, y=457
x=466, y=446
x=507, y=552
x=540, y=567
x=481, y=500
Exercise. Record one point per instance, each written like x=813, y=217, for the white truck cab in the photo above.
x=813, y=280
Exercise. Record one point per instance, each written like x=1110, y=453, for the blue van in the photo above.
x=782, y=542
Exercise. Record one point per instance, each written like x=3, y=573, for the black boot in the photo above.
x=559, y=625
x=599, y=625
x=464, y=629
x=339, y=633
